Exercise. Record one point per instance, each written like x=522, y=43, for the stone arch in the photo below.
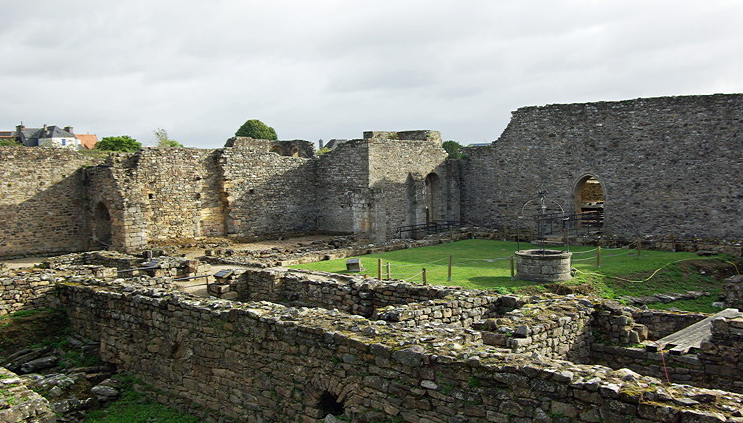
x=589, y=197
x=433, y=206
x=324, y=396
x=294, y=151
x=101, y=225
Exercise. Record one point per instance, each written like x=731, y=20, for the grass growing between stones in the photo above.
x=485, y=264
x=134, y=406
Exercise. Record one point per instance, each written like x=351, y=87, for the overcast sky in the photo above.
x=335, y=68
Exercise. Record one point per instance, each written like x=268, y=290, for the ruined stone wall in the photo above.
x=668, y=166
x=42, y=200
x=343, y=188
x=716, y=365
x=30, y=290
x=661, y=323
x=261, y=361
x=399, y=165
x=268, y=194
x=351, y=294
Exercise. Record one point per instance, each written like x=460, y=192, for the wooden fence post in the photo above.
x=448, y=277
x=598, y=257
x=513, y=273
x=424, y=275
x=379, y=268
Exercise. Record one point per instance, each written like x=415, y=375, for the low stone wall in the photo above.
x=722, y=354
x=660, y=323
x=732, y=292
x=680, y=368
x=551, y=327
x=20, y=404
x=352, y=294
x=26, y=289
x=460, y=311
x=267, y=362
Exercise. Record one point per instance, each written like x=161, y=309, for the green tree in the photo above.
x=453, y=148
x=123, y=143
x=256, y=129
x=163, y=140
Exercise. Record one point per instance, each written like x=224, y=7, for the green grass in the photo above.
x=485, y=264
x=135, y=407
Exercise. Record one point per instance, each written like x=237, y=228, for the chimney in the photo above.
x=321, y=144
x=68, y=129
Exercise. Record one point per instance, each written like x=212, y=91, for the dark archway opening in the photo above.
x=329, y=404
x=433, y=197
x=589, y=197
x=101, y=225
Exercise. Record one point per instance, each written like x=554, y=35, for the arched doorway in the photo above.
x=433, y=197
x=589, y=196
x=101, y=225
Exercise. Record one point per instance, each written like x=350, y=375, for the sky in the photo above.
x=328, y=69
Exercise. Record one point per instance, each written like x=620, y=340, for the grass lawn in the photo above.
x=485, y=264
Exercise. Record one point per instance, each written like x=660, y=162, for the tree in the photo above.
x=453, y=148
x=123, y=143
x=163, y=140
x=257, y=130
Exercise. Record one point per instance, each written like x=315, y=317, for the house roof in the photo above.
x=6, y=134
x=48, y=132
x=88, y=141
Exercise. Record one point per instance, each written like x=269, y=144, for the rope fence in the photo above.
x=388, y=270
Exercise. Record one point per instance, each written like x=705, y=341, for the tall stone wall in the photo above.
x=343, y=186
x=408, y=180
x=669, y=166
x=42, y=200
x=265, y=362
x=159, y=195
x=267, y=194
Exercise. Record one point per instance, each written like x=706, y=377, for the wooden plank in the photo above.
x=693, y=335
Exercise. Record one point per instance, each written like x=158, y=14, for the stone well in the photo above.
x=543, y=265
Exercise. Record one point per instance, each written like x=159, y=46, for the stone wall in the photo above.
x=668, y=166
x=409, y=181
x=343, y=185
x=551, y=327
x=42, y=206
x=351, y=294
x=715, y=365
x=266, y=362
x=24, y=290
x=265, y=193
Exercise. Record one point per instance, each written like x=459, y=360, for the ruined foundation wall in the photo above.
x=261, y=361
x=348, y=294
x=668, y=166
x=42, y=200
x=28, y=291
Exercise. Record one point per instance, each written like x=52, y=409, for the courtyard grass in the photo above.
x=485, y=264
